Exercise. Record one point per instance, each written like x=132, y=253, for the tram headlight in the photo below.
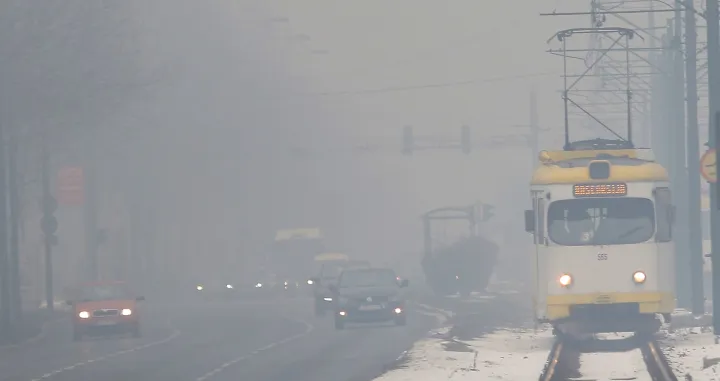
x=639, y=277
x=565, y=280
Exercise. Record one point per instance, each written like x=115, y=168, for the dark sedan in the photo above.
x=368, y=295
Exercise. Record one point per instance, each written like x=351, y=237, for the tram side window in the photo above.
x=663, y=206
x=540, y=223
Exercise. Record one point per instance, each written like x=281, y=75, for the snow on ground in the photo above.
x=682, y=318
x=517, y=354
x=506, y=355
x=694, y=352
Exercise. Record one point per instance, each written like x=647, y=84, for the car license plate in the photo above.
x=370, y=307
x=106, y=323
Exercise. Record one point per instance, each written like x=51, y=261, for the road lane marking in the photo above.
x=308, y=328
x=45, y=376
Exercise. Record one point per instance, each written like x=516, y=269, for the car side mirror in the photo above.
x=529, y=221
x=404, y=283
x=69, y=302
x=140, y=298
x=332, y=288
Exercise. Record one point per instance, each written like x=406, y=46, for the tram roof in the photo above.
x=571, y=167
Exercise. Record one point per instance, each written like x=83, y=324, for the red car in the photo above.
x=105, y=308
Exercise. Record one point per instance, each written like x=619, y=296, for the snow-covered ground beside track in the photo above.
x=473, y=350
x=520, y=354
x=504, y=355
x=693, y=352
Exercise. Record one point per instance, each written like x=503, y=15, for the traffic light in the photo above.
x=482, y=212
x=465, y=140
x=408, y=140
x=49, y=223
x=487, y=212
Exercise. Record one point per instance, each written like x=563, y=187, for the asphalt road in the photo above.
x=198, y=341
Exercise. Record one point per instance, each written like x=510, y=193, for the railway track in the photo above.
x=552, y=362
x=656, y=362
x=563, y=361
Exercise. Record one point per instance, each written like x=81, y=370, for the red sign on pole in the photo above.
x=70, y=186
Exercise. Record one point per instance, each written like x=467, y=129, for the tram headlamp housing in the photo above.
x=565, y=280
x=639, y=277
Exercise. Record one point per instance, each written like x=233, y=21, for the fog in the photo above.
x=211, y=124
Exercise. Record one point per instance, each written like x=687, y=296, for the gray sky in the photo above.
x=238, y=118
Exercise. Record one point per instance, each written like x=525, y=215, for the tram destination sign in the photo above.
x=600, y=190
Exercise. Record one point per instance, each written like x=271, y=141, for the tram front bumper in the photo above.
x=608, y=305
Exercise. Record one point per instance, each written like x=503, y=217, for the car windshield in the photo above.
x=104, y=292
x=368, y=278
x=601, y=221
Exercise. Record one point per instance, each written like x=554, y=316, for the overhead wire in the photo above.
x=428, y=86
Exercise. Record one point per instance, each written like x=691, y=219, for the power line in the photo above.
x=418, y=56
x=428, y=86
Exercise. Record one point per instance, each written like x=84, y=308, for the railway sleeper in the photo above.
x=563, y=361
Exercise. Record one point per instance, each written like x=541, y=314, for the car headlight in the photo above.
x=258, y=285
x=639, y=277
x=310, y=282
x=126, y=312
x=327, y=299
x=84, y=315
x=229, y=287
x=565, y=280
x=199, y=288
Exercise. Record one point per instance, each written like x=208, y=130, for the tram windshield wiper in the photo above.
x=629, y=232
x=604, y=239
x=619, y=238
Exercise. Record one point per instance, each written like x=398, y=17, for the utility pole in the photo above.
x=693, y=153
x=14, y=229
x=679, y=173
x=49, y=224
x=91, y=230
x=5, y=295
x=713, y=52
x=652, y=57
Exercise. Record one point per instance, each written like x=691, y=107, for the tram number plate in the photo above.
x=603, y=299
x=602, y=257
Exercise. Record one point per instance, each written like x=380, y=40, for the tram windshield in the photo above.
x=601, y=221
